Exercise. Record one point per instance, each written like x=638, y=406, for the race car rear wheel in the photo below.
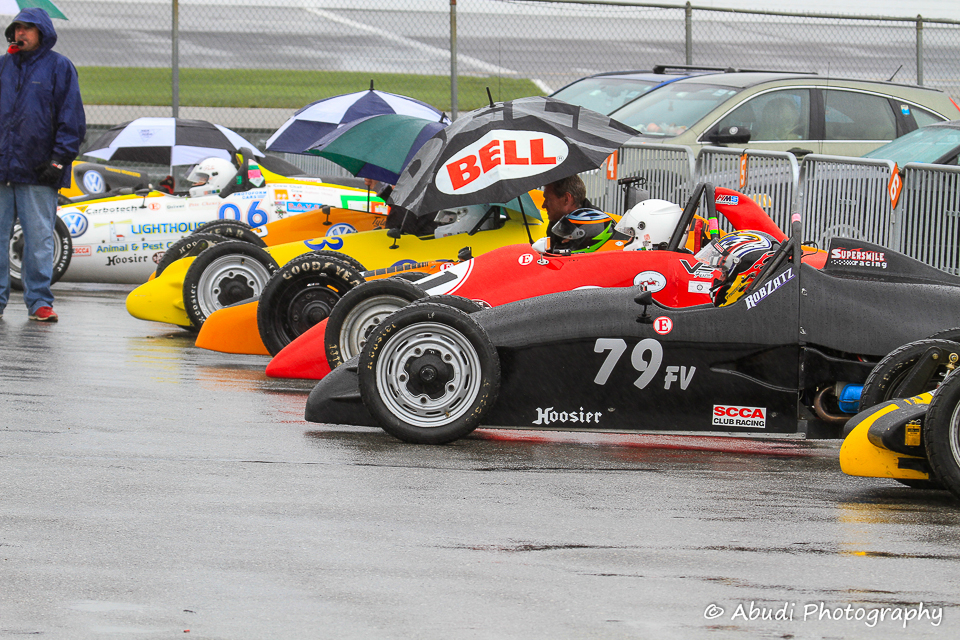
x=429, y=374
x=342, y=257
x=897, y=375
x=62, y=253
x=186, y=246
x=232, y=230
x=301, y=294
x=360, y=312
x=224, y=274
x=941, y=434
x=457, y=302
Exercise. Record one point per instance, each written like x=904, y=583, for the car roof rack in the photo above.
x=661, y=68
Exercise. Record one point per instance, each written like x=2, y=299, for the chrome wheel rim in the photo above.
x=363, y=319
x=428, y=374
x=230, y=279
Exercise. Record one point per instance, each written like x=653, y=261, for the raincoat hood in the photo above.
x=41, y=19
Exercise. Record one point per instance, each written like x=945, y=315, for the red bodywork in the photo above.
x=517, y=272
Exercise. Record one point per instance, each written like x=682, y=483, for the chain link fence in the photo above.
x=250, y=64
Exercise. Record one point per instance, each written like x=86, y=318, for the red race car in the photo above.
x=518, y=272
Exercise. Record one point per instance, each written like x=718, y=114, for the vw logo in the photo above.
x=76, y=223
x=93, y=182
x=341, y=229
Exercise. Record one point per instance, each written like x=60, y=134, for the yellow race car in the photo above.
x=192, y=288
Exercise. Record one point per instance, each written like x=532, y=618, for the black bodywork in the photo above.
x=582, y=360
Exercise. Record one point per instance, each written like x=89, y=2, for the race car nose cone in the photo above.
x=161, y=299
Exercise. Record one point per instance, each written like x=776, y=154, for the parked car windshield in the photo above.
x=927, y=144
x=671, y=110
x=605, y=94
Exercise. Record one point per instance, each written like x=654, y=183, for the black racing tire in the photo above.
x=232, y=230
x=947, y=334
x=457, y=302
x=187, y=246
x=302, y=293
x=62, y=253
x=886, y=379
x=360, y=312
x=941, y=434
x=429, y=374
x=342, y=257
x=224, y=274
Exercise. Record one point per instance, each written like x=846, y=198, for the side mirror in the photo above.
x=645, y=299
x=729, y=135
x=465, y=254
x=395, y=234
x=325, y=209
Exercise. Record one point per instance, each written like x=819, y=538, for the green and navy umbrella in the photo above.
x=13, y=7
x=376, y=147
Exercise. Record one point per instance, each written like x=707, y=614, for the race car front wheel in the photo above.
x=941, y=434
x=301, y=294
x=186, y=246
x=361, y=311
x=429, y=374
x=62, y=253
x=232, y=230
x=224, y=274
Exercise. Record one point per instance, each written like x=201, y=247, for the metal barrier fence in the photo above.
x=846, y=197
x=929, y=219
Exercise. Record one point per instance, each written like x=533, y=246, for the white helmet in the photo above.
x=650, y=223
x=211, y=176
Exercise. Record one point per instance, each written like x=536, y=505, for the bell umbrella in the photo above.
x=169, y=141
x=317, y=119
x=498, y=152
x=13, y=7
x=377, y=147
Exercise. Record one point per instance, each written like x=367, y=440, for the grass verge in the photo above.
x=263, y=88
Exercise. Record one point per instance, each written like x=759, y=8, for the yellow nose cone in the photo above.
x=161, y=299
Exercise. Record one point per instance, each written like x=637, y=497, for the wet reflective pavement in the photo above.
x=150, y=488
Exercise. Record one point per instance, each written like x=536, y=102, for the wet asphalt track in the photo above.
x=150, y=488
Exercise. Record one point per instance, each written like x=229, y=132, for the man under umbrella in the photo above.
x=41, y=127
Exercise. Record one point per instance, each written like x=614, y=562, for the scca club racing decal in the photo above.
x=858, y=258
x=77, y=223
x=500, y=155
x=334, y=243
x=768, y=288
x=94, y=182
x=652, y=281
x=340, y=229
x=731, y=416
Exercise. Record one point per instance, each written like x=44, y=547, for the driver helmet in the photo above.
x=650, y=224
x=737, y=259
x=211, y=176
x=583, y=231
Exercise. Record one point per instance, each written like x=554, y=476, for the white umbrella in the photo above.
x=169, y=141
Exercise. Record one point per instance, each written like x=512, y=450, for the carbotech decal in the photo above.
x=858, y=258
x=733, y=416
x=769, y=287
x=500, y=155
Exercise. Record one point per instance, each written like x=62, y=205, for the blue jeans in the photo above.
x=35, y=207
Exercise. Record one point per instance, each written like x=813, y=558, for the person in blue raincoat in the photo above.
x=41, y=127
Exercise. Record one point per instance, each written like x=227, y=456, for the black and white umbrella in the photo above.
x=498, y=152
x=317, y=119
x=169, y=141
